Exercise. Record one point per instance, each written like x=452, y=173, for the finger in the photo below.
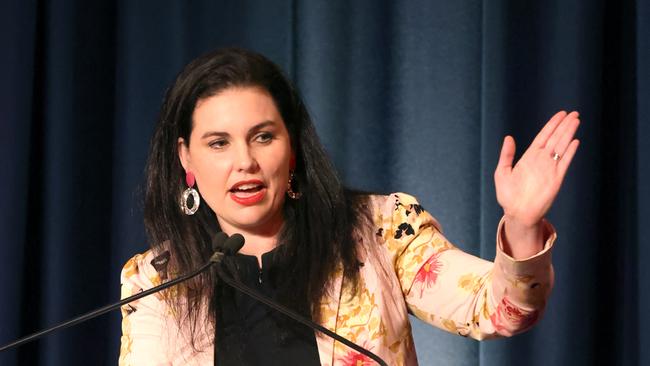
x=560, y=130
x=566, y=138
x=507, y=154
x=547, y=130
x=565, y=161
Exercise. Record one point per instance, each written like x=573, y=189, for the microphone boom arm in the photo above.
x=105, y=309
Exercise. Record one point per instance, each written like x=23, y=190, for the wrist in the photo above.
x=521, y=240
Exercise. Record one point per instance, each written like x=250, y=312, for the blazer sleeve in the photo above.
x=142, y=320
x=457, y=291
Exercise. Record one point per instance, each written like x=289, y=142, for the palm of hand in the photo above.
x=527, y=190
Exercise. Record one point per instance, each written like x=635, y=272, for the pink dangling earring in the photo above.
x=290, y=192
x=185, y=197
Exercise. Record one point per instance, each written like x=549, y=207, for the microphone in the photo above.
x=225, y=247
x=232, y=282
x=219, y=241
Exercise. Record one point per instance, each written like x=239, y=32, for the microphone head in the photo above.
x=218, y=241
x=233, y=244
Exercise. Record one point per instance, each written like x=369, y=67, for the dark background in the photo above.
x=407, y=96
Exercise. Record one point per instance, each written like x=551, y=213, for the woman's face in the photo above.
x=239, y=152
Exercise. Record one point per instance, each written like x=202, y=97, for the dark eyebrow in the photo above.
x=252, y=130
x=214, y=134
x=260, y=126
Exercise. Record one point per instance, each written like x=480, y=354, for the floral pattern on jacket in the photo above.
x=408, y=266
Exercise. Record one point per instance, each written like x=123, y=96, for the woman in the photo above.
x=233, y=128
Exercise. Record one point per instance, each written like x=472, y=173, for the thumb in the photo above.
x=507, y=155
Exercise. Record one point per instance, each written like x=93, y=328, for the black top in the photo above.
x=250, y=333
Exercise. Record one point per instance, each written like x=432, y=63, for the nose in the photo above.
x=245, y=162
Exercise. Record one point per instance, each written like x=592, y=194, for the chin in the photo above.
x=252, y=220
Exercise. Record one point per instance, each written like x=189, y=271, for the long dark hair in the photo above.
x=317, y=233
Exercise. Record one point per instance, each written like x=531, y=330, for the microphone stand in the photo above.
x=216, y=258
x=232, y=245
x=293, y=315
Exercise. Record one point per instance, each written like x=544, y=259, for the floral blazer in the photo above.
x=407, y=267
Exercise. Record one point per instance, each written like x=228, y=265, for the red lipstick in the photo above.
x=248, y=192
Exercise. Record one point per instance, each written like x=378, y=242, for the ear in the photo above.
x=183, y=153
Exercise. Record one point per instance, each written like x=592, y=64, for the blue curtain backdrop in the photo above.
x=407, y=96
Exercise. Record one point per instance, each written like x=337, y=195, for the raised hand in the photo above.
x=527, y=190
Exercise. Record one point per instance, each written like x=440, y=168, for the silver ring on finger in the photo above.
x=555, y=156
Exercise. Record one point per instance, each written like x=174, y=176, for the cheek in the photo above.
x=281, y=171
x=211, y=175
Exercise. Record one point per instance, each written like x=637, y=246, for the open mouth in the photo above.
x=248, y=192
x=247, y=189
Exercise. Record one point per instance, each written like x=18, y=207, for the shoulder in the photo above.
x=144, y=271
x=400, y=213
x=406, y=232
x=401, y=224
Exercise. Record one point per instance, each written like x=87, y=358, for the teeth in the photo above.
x=244, y=187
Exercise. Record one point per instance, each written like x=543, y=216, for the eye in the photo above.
x=218, y=144
x=264, y=137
